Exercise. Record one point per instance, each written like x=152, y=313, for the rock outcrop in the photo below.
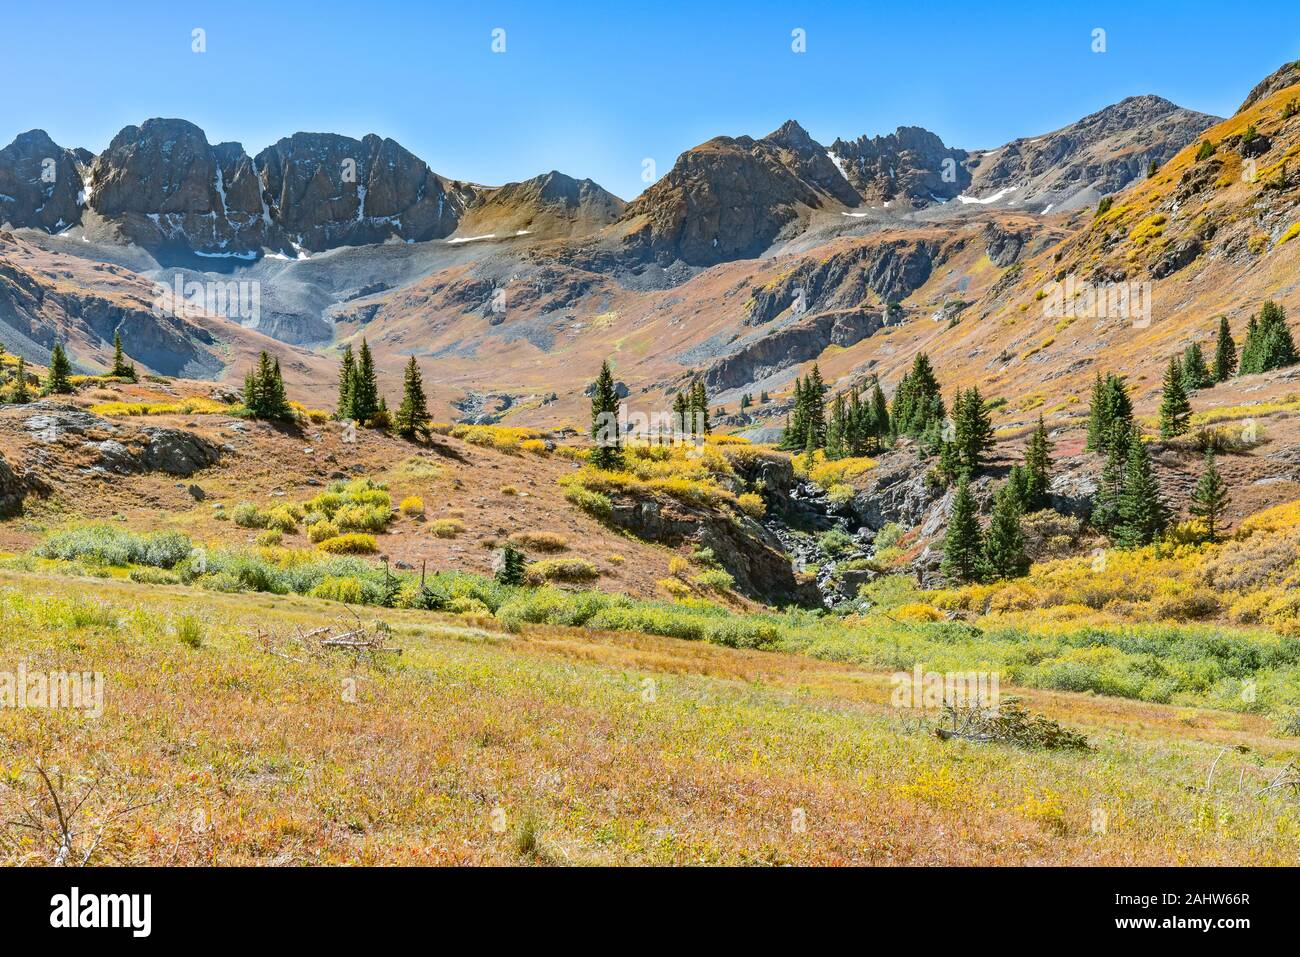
x=911, y=164
x=40, y=183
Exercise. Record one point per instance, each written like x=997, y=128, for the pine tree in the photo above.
x=681, y=415
x=1142, y=512
x=1225, y=352
x=837, y=430
x=1110, y=488
x=1098, y=426
x=963, y=543
x=363, y=394
x=121, y=368
x=58, y=381
x=795, y=436
x=1110, y=415
x=264, y=395
x=1276, y=347
x=917, y=401
x=973, y=430
x=510, y=571
x=413, y=417
x=882, y=428
x=347, y=377
x=1175, y=410
x=1210, y=498
x=699, y=408
x=1018, y=485
x=1195, y=373
x=816, y=398
x=1249, y=362
x=1004, y=542
x=1151, y=168
x=608, y=451
x=19, y=394
x=810, y=451
x=1038, y=468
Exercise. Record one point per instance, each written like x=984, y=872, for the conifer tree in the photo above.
x=1249, y=361
x=699, y=407
x=1210, y=498
x=1098, y=426
x=347, y=379
x=608, y=450
x=1110, y=488
x=364, y=400
x=882, y=428
x=917, y=402
x=1038, y=468
x=973, y=430
x=837, y=430
x=1004, y=542
x=1276, y=347
x=815, y=389
x=58, y=382
x=810, y=450
x=1175, y=410
x=121, y=368
x=681, y=414
x=413, y=417
x=264, y=395
x=510, y=571
x=1111, y=414
x=1196, y=374
x=1225, y=352
x=963, y=543
x=19, y=394
x=1142, y=512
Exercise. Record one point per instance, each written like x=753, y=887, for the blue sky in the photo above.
x=593, y=90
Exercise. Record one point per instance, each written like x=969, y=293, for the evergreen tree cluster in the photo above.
x=918, y=408
x=359, y=396
x=1268, y=343
x=264, y=395
x=806, y=427
x=963, y=455
x=858, y=426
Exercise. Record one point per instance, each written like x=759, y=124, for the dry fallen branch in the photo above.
x=356, y=638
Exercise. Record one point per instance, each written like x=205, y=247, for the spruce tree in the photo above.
x=837, y=430
x=1038, y=468
x=1225, y=352
x=347, y=377
x=1098, y=426
x=264, y=395
x=510, y=571
x=917, y=401
x=19, y=394
x=963, y=543
x=1110, y=488
x=121, y=368
x=1175, y=410
x=364, y=399
x=882, y=428
x=1004, y=542
x=1195, y=373
x=608, y=451
x=973, y=430
x=815, y=388
x=58, y=381
x=1249, y=362
x=699, y=407
x=681, y=415
x=413, y=417
x=1276, y=347
x=1210, y=498
x=1142, y=512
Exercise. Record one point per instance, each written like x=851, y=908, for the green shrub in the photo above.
x=248, y=515
x=108, y=545
x=347, y=590
x=593, y=503
x=321, y=530
x=189, y=630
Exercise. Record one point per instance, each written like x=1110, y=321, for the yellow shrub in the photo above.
x=346, y=590
x=541, y=541
x=350, y=544
x=412, y=506
x=751, y=504
x=322, y=530
x=446, y=527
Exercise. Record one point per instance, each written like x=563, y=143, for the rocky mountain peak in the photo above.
x=911, y=164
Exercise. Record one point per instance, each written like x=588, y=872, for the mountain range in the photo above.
x=748, y=260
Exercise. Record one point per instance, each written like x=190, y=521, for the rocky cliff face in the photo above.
x=911, y=164
x=731, y=198
x=326, y=190
x=40, y=183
